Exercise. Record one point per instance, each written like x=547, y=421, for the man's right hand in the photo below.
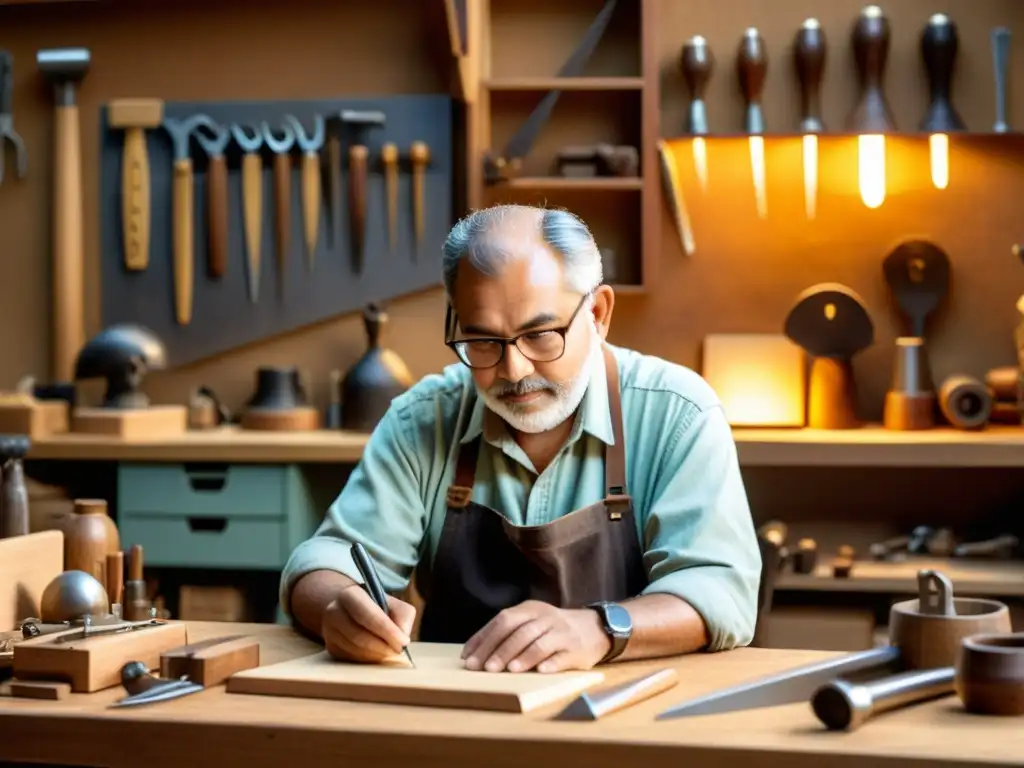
x=356, y=629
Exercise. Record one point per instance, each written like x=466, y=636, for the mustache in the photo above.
x=522, y=387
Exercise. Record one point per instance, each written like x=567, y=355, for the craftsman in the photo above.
x=566, y=502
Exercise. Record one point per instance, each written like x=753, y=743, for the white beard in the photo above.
x=567, y=397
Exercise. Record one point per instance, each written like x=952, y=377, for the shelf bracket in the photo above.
x=499, y=168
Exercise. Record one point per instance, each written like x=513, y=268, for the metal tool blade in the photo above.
x=172, y=689
x=102, y=630
x=522, y=141
x=789, y=687
x=6, y=83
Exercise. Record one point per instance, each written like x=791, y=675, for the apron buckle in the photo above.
x=615, y=503
x=458, y=496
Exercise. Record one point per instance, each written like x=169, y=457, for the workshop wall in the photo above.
x=745, y=274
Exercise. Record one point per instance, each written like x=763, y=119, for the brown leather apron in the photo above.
x=485, y=564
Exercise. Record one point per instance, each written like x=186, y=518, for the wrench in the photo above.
x=216, y=198
x=282, y=191
x=252, y=200
x=180, y=132
x=7, y=131
x=310, y=144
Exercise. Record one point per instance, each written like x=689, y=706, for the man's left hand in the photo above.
x=537, y=635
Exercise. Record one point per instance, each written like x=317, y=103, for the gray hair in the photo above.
x=564, y=232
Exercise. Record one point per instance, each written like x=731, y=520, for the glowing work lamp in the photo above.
x=872, y=118
x=939, y=45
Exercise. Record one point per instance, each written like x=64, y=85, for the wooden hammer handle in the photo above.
x=217, y=212
x=68, y=311
x=311, y=201
x=183, y=232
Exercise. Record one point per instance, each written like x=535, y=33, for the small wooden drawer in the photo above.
x=205, y=490
x=204, y=541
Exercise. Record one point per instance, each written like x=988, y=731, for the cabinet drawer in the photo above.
x=207, y=542
x=197, y=490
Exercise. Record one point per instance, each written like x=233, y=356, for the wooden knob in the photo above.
x=940, y=43
x=419, y=153
x=871, y=35
x=698, y=63
x=753, y=65
x=389, y=154
x=809, y=54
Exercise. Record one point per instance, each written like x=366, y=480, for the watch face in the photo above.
x=618, y=619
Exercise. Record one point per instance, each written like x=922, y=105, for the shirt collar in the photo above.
x=593, y=416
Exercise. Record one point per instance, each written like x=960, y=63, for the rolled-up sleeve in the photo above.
x=701, y=543
x=381, y=507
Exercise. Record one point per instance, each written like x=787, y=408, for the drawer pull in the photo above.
x=207, y=524
x=207, y=483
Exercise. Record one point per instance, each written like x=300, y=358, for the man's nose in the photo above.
x=516, y=366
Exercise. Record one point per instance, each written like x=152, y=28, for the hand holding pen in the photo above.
x=363, y=627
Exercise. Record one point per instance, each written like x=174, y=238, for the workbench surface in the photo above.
x=216, y=729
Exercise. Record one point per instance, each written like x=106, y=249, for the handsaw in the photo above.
x=496, y=168
x=789, y=687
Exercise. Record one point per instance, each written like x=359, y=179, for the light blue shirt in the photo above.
x=682, y=471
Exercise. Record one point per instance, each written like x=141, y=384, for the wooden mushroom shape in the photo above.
x=831, y=323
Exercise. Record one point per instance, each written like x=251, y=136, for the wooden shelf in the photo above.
x=565, y=84
x=953, y=135
x=998, y=578
x=873, y=446
x=572, y=182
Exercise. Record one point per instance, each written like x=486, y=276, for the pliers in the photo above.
x=7, y=132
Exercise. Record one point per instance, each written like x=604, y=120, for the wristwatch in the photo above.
x=618, y=625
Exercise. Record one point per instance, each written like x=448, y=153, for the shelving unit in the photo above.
x=874, y=446
x=614, y=101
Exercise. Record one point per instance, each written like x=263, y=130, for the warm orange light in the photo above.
x=871, y=169
x=811, y=175
x=758, y=171
x=938, y=151
x=760, y=378
x=700, y=162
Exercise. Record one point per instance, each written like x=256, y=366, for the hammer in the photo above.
x=135, y=115
x=358, y=122
x=65, y=67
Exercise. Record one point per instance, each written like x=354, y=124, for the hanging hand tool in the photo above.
x=180, y=132
x=809, y=51
x=499, y=168
x=281, y=147
x=676, y=201
x=753, y=68
x=65, y=68
x=216, y=198
x=135, y=116
x=419, y=156
x=7, y=132
x=698, y=64
x=310, y=145
x=1000, y=37
x=252, y=201
x=788, y=687
x=389, y=159
x=358, y=122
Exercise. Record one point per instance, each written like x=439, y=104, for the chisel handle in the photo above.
x=311, y=201
x=252, y=211
x=282, y=207
x=135, y=202
x=217, y=212
x=183, y=232
x=357, y=161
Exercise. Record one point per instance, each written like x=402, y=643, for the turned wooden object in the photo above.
x=89, y=536
x=910, y=401
x=137, y=605
x=929, y=629
x=830, y=322
x=966, y=403
x=990, y=674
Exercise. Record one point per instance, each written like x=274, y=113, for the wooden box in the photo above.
x=94, y=663
x=35, y=418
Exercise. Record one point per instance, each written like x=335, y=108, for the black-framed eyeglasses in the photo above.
x=541, y=346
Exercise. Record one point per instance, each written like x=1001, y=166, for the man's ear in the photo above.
x=604, y=304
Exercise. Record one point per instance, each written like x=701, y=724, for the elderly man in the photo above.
x=563, y=502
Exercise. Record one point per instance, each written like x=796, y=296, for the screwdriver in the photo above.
x=372, y=583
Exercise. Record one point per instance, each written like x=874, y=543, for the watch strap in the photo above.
x=619, y=639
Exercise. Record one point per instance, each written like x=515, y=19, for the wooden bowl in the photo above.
x=990, y=674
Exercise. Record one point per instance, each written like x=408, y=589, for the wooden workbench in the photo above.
x=867, y=447
x=214, y=729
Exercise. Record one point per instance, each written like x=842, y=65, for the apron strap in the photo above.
x=460, y=492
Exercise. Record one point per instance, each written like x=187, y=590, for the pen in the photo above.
x=372, y=583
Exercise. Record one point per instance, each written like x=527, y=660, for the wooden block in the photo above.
x=27, y=565
x=24, y=415
x=439, y=679
x=153, y=423
x=211, y=662
x=30, y=689
x=94, y=663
